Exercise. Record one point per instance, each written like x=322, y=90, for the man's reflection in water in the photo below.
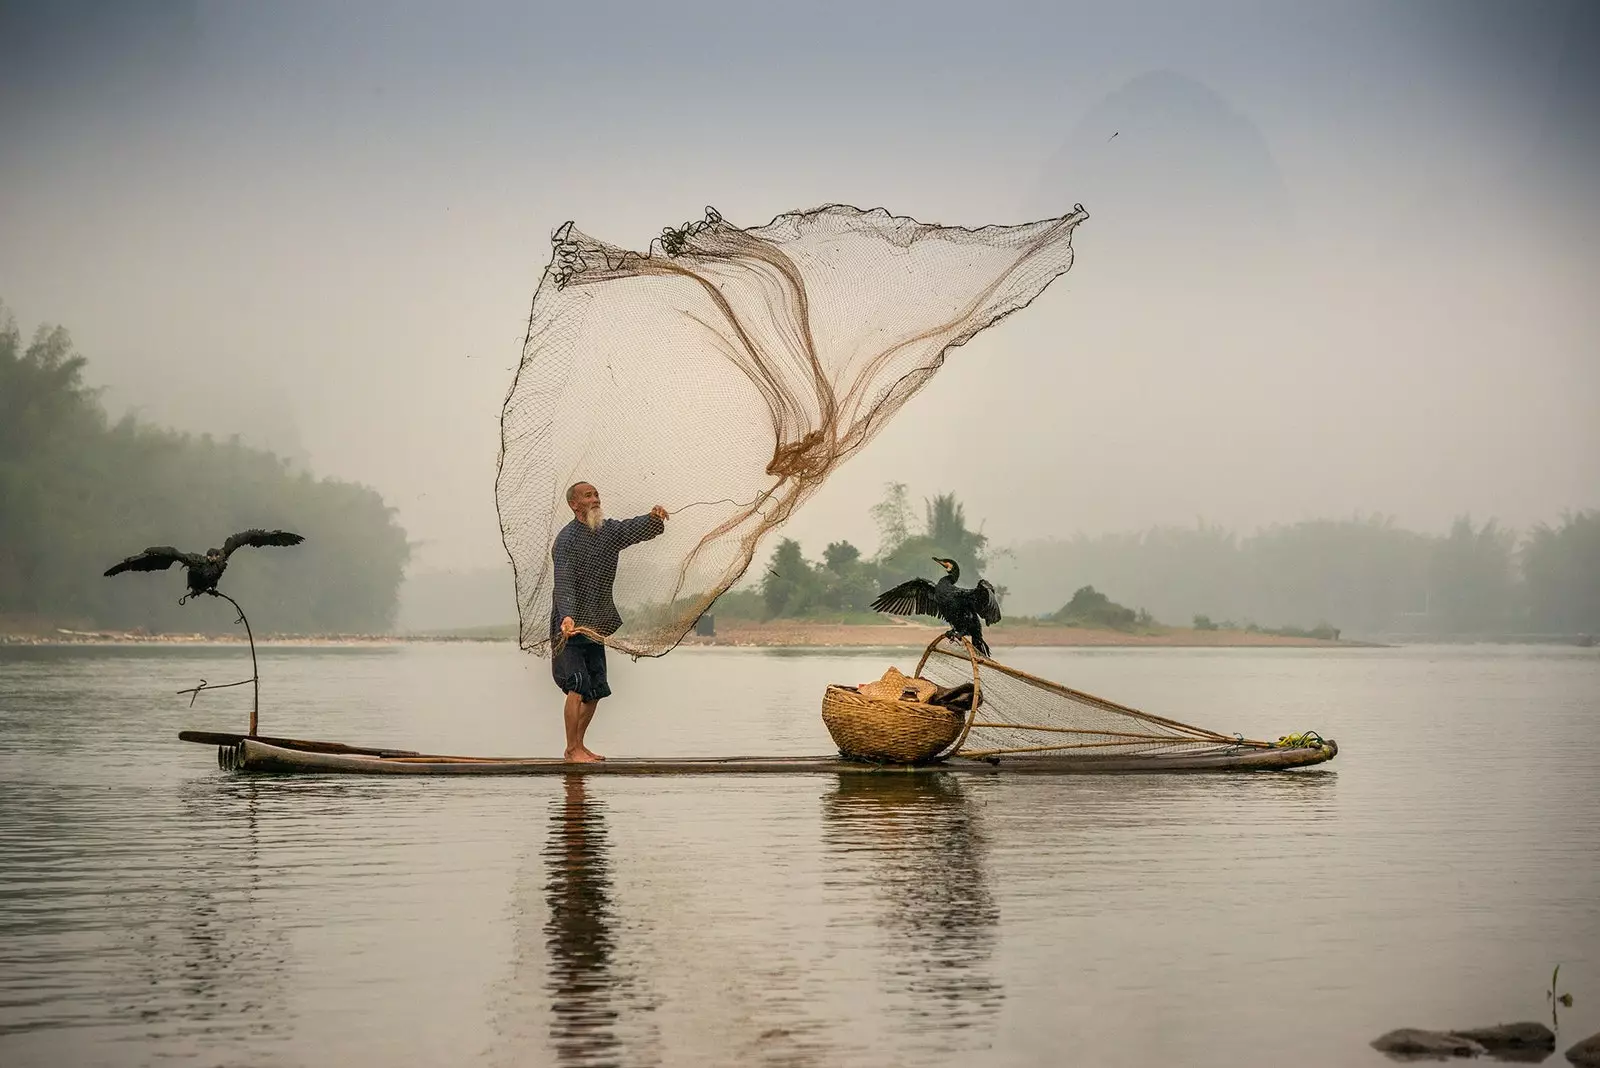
x=578, y=936
x=925, y=847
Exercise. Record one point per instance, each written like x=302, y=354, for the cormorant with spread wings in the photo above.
x=965, y=610
x=204, y=571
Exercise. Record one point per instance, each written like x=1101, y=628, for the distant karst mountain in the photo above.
x=1174, y=178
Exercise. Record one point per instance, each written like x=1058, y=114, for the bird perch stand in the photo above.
x=255, y=671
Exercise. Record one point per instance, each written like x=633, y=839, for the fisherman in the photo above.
x=585, y=555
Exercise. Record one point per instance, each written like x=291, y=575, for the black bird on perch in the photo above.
x=204, y=571
x=965, y=610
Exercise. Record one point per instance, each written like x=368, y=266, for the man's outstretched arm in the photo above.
x=644, y=527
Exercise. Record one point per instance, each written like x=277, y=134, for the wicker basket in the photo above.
x=890, y=721
x=888, y=731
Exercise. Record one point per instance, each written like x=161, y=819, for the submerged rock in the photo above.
x=1524, y=1035
x=1586, y=1054
x=1412, y=1041
x=1523, y=1041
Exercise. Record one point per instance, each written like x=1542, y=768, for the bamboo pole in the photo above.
x=978, y=753
x=255, y=672
x=1099, y=733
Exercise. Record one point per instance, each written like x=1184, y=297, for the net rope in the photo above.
x=723, y=374
x=1020, y=713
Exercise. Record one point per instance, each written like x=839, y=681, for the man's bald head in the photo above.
x=584, y=500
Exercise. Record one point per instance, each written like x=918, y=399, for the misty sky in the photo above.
x=1339, y=256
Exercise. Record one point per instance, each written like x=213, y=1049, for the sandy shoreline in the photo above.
x=800, y=634
x=784, y=634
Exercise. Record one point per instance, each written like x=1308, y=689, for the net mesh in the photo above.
x=723, y=374
x=1019, y=713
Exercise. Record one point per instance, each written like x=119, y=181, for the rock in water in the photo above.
x=1586, y=1054
x=1412, y=1040
x=1512, y=1036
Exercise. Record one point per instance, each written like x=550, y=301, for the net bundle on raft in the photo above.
x=960, y=704
x=1022, y=713
x=725, y=373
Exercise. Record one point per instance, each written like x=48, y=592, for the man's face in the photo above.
x=585, y=500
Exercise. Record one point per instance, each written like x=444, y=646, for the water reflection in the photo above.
x=924, y=848
x=570, y=959
x=578, y=933
x=211, y=954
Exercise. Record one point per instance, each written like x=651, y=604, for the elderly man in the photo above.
x=585, y=555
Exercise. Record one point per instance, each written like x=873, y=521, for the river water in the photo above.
x=156, y=910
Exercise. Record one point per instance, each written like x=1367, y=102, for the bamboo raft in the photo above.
x=290, y=756
x=885, y=731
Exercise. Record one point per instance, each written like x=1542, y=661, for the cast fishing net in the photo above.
x=724, y=373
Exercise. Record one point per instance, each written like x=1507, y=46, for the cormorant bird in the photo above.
x=965, y=610
x=204, y=571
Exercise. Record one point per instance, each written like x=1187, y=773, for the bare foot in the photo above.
x=592, y=754
x=580, y=756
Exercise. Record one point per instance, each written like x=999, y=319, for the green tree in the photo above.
x=1561, y=566
x=850, y=583
x=840, y=556
x=946, y=527
x=1091, y=608
x=893, y=516
x=944, y=534
x=791, y=586
x=1471, y=578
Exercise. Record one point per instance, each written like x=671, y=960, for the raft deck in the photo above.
x=236, y=752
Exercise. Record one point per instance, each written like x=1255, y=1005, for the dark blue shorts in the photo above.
x=580, y=667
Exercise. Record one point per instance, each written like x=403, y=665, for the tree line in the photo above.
x=79, y=491
x=1364, y=575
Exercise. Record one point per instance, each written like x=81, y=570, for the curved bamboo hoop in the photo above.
x=977, y=688
x=255, y=671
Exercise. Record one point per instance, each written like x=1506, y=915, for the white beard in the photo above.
x=595, y=519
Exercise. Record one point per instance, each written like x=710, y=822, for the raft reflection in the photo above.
x=923, y=839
